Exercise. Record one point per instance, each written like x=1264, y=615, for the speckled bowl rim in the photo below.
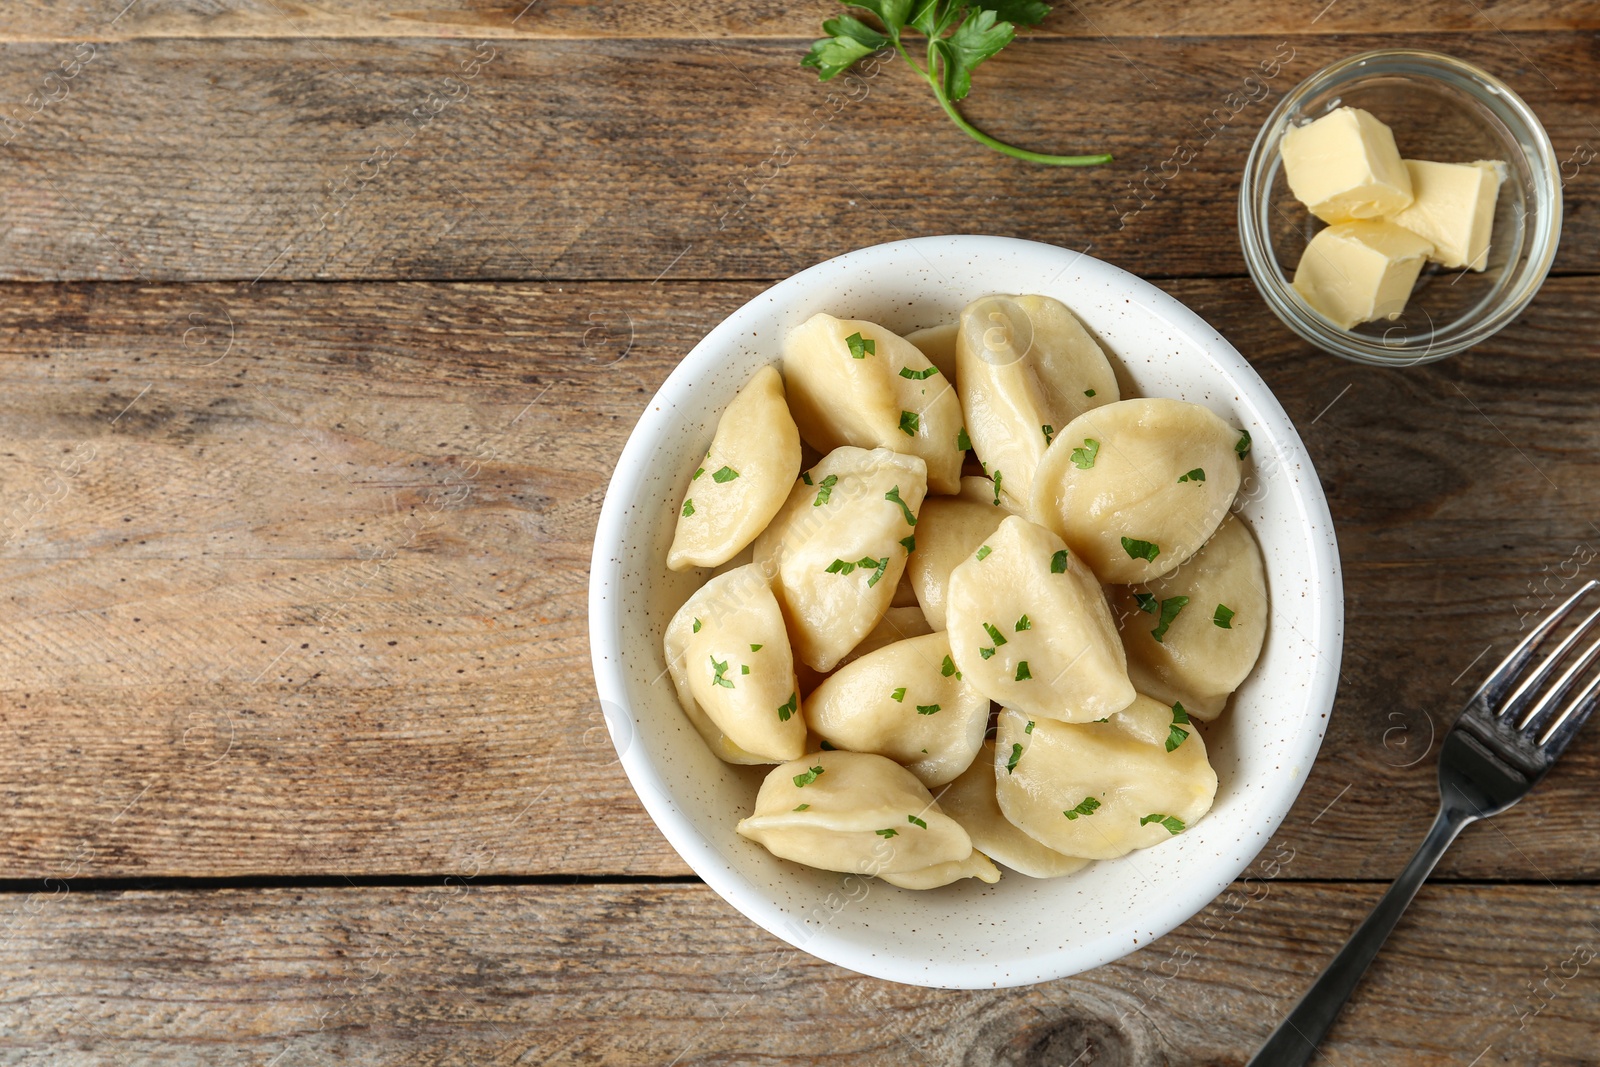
x=1272, y=431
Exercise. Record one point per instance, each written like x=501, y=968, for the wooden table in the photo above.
x=322, y=328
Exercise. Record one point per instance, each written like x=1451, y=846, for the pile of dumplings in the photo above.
x=956, y=663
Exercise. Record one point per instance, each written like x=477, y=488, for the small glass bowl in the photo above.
x=1440, y=109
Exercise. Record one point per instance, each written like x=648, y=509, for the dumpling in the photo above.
x=949, y=529
x=976, y=866
x=838, y=547
x=857, y=813
x=1137, y=487
x=855, y=383
x=1102, y=790
x=1194, y=635
x=744, y=479
x=729, y=657
x=903, y=701
x=1025, y=368
x=971, y=801
x=1030, y=628
x=938, y=343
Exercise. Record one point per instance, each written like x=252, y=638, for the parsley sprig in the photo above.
x=959, y=37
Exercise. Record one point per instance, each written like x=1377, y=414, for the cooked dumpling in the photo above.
x=855, y=383
x=854, y=812
x=976, y=866
x=971, y=801
x=1029, y=628
x=1194, y=635
x=938, y=343
x=1025, y=368
x=1100, y=789
x=903, y=701
x=838, y=547
x=949, y=529
x=729, y=656
x=897, y=624
x=1137, y=487
x=744, y=479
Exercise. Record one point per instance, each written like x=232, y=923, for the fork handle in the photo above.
x=1295, y=1040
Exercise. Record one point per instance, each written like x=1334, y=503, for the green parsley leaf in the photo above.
x=840, y=566
x=744, y=668
x=787, y=709
x=1146, y=550
x=1102, y=720
x=1147, y=602
x=918, y=375
x=899, y=695
x=697, y=626
x=688, y=508
x=927, y=709
x=949, y=668
x=825, y=491
x=979, y=36
x=909, y=543
x=985, y=652
x=720, y=669
x=880, y=565
x=1088, y=392
x=1058, y=562
x=892, y=13
x=1083, y=458
x=1173, y=824
x=1176, y=734
x=756, y=648
x=998, y=477
x=726, y=474
x=1086, y=806
x=1023, y=673
x=1023, y=624
x=886, y=834
x=914, y=821
x=802, y=807
x=842, y=48
x=1223, y=616
x=909, y=421
x=1243, y=445
x=1169, y=611
x=994, y=634
x=963, y=442
x=983, y=551
x=1049, y=432
x=1016, y=754
x=893, y=497
x=698, y=471
x=803, y=780
x=805, y=476
x=1028, y=729
x=1196, y=475
x=861, y=347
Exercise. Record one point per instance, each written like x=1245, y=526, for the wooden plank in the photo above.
x=417, y=158
x=264, y=613
x=463, y=974
x=81, y=19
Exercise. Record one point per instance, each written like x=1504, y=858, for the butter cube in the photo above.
x=1345, y=166
x=1452, y=206
x=1360, y=271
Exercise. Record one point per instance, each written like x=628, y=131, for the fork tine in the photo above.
x=1531, y=685
x=1566, y=726
x=1505, y=675
x=1540, y=712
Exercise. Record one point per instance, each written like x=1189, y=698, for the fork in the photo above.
x=1506, y=739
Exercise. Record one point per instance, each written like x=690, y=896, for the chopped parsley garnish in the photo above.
x=1088, y=392
x=861, y=347
x=1242, y=446
x=949, y=668
x=803, y=780
x=983, y=551
x=1023, y=673
x=726, y=474
x=720, y=669
x=1146, y=550
x=909, y=421
x=756, y=648
x=886, y=834
x=786, y=710
x=844, y=566
x=1028, y=729
x=1023, y=624
x=1147, y=602
x=1058, y=562
x=744, y=668
x=840, y=566
x=801, y=807
x=1223, y=616
x=899, y=695
x=994, y=634
x=909, y=543
x=1176, y=734
x=698, y=471
x=688, y=508
x=1174, y=825
x=997, y=479
x=893, y=497
x=1196, y=475
x=1086, y=806
x=883, y=565
x=697, y=626
x=927, y=709
x=1016, y=754
x=985, y=652
x=1049, y=432
x=825, y=490
x=1083, y=457
x=918, y=375
x=963, y=442
x=1169, y=611
x=914, y=821
x=805, y=476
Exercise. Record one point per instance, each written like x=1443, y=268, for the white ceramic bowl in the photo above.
x=1021, y=930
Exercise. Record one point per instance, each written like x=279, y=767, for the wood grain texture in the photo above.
x=79, y=19
x=407, y=158
x=648, y=975
x=295, y=573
